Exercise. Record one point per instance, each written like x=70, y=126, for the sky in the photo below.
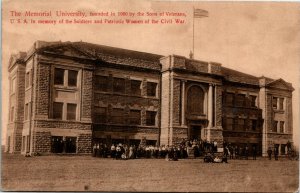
x=258, y=38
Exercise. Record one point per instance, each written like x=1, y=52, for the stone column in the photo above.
x=183, y=123
x=210, y=110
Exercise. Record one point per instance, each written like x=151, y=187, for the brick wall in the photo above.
x=62, y=124
x=42, y=90
x=176, y=102
x=84, y=143
x=218, y=113
x=42, y=142
x=87, y=94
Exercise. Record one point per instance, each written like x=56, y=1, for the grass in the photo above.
x=85, y=173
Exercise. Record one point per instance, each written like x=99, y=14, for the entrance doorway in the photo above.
x=195, y=132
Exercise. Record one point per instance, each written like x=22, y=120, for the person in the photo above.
x=94, y=150
x=131, y=155
x=118, y=152
x=113, y=151
x=254, y=152
x=269, y=153
x=246, y=152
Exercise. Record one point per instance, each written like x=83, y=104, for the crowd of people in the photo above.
x=186, y=148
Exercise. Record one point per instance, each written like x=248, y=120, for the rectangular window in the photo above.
x=12, y=113
x=135, y=117
x=100, y=115
x=151, y=88
x=241, y=124
x=117, y=116
x=26, y=111
x=13, y=85
x=229, y=124
x=71, y=111
x=72, y=78
x=59, y=76
x=253, y=124
x=281, y=101
x=27, y=79
x=57, y=110
x=119, y=85
x=101, y=83
x=274, y=102
x=281, y=126
x=135, y=87
x=150, y=118
x=275, y=123
x=253, y=101
x=240, y=100
x=229, y=99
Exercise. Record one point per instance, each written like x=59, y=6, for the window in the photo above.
x=117, y=116
x=241, y=124
x=274, y=102
x=135, y=117
x=59, y=76
x=150, y=118
x=195, y=100
x=135, y=87
x=252, y=124
x=281, y=126
x=253, y=101
x=119, y=85
x=27, y=79
x=101, y=83
x=100, y=115
x=229, y=99
x=229, y=124
x=70, y=144
x=281, y=100
x=57, y=110
x=240, y=100
x=151, y=88
x=12, y=113
x=13, y=85
x=71, y=111
x=72, y=78
x=275, y=123
x=26, y=112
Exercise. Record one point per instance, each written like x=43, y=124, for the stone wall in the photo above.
x=84, y=143
x=176, y=102
x=87, y=95
x=42, y=142
x=42, y=90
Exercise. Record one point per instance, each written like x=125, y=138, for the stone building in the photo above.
x=64, y=96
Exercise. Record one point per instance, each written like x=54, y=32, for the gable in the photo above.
x=280, y=84
x=65, y=50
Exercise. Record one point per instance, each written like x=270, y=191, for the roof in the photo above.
x=137, y=59
x=239, y=77
x=120, y=56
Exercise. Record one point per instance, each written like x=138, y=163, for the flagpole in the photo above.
x=193, y=32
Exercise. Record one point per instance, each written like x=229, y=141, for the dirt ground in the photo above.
x=86, y=173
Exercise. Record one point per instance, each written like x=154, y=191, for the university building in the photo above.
x=65, y=96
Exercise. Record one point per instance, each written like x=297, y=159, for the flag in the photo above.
x=198, y=13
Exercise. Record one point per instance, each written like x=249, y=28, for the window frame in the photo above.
x=138, y=91
x=71, y=113
x=155, y=117
x=62, y=111
x=150, y=94
x=131, y=122
x=116, y=87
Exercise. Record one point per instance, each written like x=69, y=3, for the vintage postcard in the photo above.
x=150, y=96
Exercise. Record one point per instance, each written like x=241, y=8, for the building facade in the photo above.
x=65, y=96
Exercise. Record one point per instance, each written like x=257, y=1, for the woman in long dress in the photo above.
x=131, y=156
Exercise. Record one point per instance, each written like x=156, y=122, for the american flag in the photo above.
x=198, y=13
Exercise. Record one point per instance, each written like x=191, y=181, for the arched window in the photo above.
x=195, y=100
